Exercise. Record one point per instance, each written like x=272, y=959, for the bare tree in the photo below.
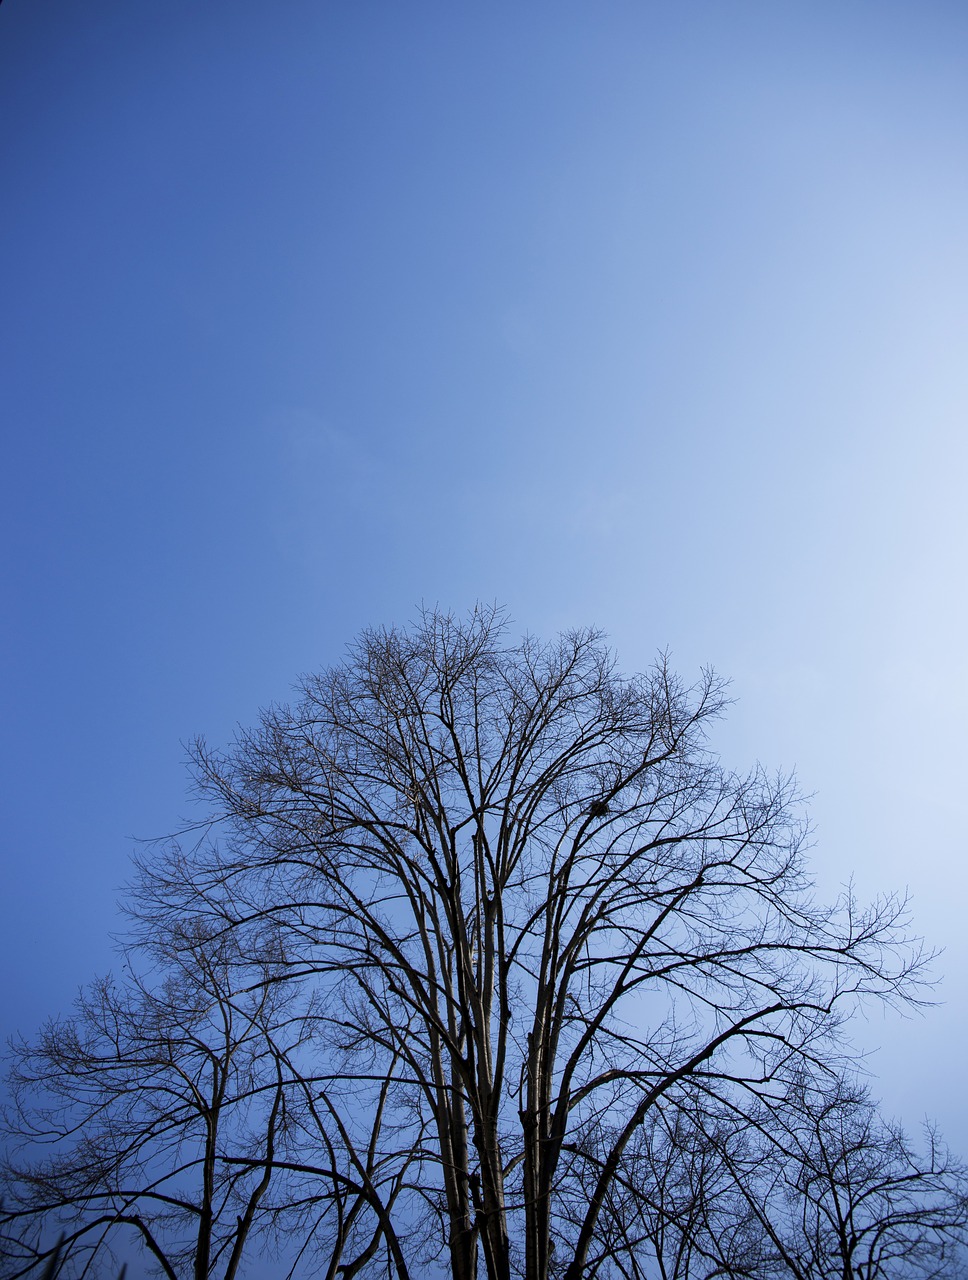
x=123, y=1115
x=536, y=913
x=841, y=1194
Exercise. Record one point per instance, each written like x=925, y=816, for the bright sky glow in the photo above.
x=647, y=315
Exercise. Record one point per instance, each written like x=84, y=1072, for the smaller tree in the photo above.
x=838, y=1193
x=159, y=1108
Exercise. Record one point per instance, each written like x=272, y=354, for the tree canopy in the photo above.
x=515, y=979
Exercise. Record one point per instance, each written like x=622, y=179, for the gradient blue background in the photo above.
x=647, y=315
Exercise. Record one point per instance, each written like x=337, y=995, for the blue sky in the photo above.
x=652, y=316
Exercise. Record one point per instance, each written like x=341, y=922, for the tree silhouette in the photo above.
x=537, y=920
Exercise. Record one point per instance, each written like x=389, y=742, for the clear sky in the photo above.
x=647, y=315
